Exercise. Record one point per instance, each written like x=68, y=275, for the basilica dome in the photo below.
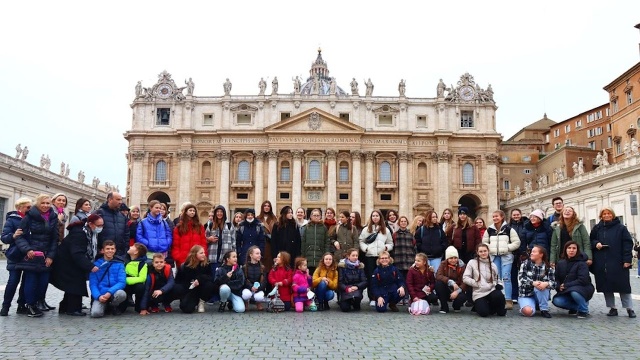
x=320, y=73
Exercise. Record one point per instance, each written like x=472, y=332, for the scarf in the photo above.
x=329, y=223
x=355, y=264
x=92, y=244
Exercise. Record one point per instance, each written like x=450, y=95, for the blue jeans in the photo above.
x=323, y=293
x=236, y=301
x=391, y=297
x=503, y=262
x=435, y=263
x=571, y=301
x=540, y=297
x=35, y=286
x=12, y=286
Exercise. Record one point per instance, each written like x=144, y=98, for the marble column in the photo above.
x=223, y=158
x=331, y=179
x=258, y=163
x=356, y=181
x=272, y=178
x=403, y=184
x=296, y=177
x=137, y=165
x=492, y=181
x=184, y=177
x=442, y=191
x=369, y=183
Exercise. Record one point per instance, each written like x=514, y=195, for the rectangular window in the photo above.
x=284, y=195
x=526, y=158
x=506, y=185
x=608, y=127
x=385, y=120
x=592, y=145
x=567, y=128
x=527, y=171
x=421, y=121
x=163, y=116
x=243, y=119
x=629, y=98
x=609, y=141
x=606, y=111
x=578, y=123
x=618, y=149
x=3, y=205
x=599, y=114
x=599, y=130
x=466, y=119
x=242, y=196
x=285, y=174
x=614, y=106
x=633, y=202
x=345, y=116
x=343, y=196
x=546, y=138
x=385, y=197
x=284, y=115
x=343, y=174
x=556, y=132
x=505, y=159
x=207, y=120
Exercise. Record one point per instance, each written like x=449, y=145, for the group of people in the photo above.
x=147, y=261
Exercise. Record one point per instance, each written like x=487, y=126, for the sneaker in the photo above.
x=222, y=308
x=201, y=306
x=545, y=314
x=443, y=311
x=21, y=310
x=613, y=312
x=582, y=315
x=573, y=312
x=631, y=313
x=394, y=308
x=168, y=309
x=33, y=311
x=468, y=304
x=456, y=310
x=154, y=309
x=372, y=303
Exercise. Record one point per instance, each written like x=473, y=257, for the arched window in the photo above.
x=243, y=170
x=467, y=174
x=422, y=173
x=206, y=171
x=385, y=171
x=161, y=171
x=343, y=173
x=285, y=171
x=314, y=170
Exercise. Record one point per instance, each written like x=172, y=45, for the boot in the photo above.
x=320, y=306
x=21, y=310
x=201, y=306
x=326, y=305
x=41, y=306
x=49, y=307
x=4, y=311
x=33, y=311
x=223, y=306
x=508, y=305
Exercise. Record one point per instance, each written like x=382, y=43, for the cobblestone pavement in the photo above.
x=320, y=335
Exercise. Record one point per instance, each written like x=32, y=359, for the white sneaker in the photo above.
x=372, y=303
x=201, y=306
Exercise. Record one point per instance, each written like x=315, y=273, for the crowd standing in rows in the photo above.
x=147, y=260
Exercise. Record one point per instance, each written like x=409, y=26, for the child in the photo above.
x=351, y=281
x=231, y=280
x=421, y=282
x=159, y=287
x=325, y=281
x=107, y=284
x=301, y=284
x=254, y=275
x=481, y=274
x=136, y=271
x=449, y=285
x=404, y=247
x=535, y=281
x=387, y=284
x=194, y=284
x=153, y=231
x=282, y=275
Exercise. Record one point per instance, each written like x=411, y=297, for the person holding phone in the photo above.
x=231, y=280
x=612, y=253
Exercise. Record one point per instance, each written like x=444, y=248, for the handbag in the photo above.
x=13, y=253
x=36, y=264
x=371, y=238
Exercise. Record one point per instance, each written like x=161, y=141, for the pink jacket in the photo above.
x=301, y=284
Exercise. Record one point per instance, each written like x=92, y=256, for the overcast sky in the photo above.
x=68, y=69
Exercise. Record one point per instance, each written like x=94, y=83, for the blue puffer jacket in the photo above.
x=43, y=235
x=538, y=236
x=109, y=278
x=10, y=226
x=115, y=228
x=154, y=233
x=386, y=280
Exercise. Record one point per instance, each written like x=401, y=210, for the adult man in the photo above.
x=115, y=224
x=558, y=205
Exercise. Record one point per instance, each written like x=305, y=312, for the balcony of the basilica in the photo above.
x=242, y=184
x=386, y=185
x=205, y=183
x=159, y=183
x=314, y=184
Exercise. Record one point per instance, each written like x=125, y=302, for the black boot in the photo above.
x=320, y=306
x=4, y=311
x=21, y=310
x=49, y=307
x=223, y=306
x=326, y=305
x=33, y=311
x=41, y=306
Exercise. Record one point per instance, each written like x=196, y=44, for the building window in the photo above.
x=243, y=119
x=284, y=195
x=599, y=130
x=421, y=121
x=343, y=196
x=207, y=120
x=629, y=98
x=592, y=145
x=243, y=170
x=285, y=115
x=599, y=114
x=506, y=185
x=344, y=116
x=609, y=126
x=161, y=171
x=385, y=171
x=314, y=170
x=578, y=123
x=618, y=149
x=546, y=138
x=163, y=116
x=527, y=171
x=466, y=119
x=567, y=128
x=385, y=120
x=556, y=132
x=385, y=197
x=285, y=171
x=606, y=111
x=467, y=173
x=343, y=172
x=526, y=158
x=242, y=196
x=614, y=106
x=609, y=141
x=206, y=171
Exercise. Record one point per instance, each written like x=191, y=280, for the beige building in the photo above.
x=315, y=146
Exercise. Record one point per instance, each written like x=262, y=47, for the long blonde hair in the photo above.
x=571, y=223
x=414, y=224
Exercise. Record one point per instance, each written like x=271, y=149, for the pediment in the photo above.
x=385, y=109
x=244, y=108
x=314, y=120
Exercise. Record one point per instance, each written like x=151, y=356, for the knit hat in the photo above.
x=463, y=210
x=249, y=211
x=450, y=252
x=537, y=213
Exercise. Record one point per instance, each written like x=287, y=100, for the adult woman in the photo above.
x=82, y=210
x=188, y=233
x=301, y=221
x=415, y=224
x=570, y=229
x=517, y=223
x=59, y=203
x=573, y=282
x=374, y=239
x=537, y=231
x=482, y=275
x=431, y=239
x=315, y=240
x=267, y=219
x=41, y=223
x=132, y=224
x=344, y=237
x=330, y=218
x=285, y=235
x=74, y=262
x=535, y=279
x=611, y=244
x=502, y=241
x=446, y=221
x=465, y=236
x=392, y=220
x=10, y=232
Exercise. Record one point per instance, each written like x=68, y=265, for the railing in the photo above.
x=284, y=182
x=386, y=184
x=242, y=184
x=344, y=183
x=314, y=184
x=205, y=182
x=159, y=183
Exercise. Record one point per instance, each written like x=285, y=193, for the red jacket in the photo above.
x=416, y=281
x=473, y=239
x=284, y=275
x=182, y=244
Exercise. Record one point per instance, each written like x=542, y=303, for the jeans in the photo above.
x=35, y=286
x=540, y=297
x=435, y=263
x=97, y=308
x=571, y=301
x=323, y=293
x=503, y=262
x=12, y=286
x=626, y=299
x=236, y=301
x=389, y=298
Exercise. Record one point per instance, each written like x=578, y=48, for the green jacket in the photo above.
x=580, y=236
x=315, y=242
x=136, y=271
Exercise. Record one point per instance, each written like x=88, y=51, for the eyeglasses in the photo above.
x=315, y=214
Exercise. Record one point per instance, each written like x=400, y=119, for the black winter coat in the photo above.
x=574, y=274
x=351, y=276
x=72, y=266
x=286, y=239
x=115, y=228
x=537, y=236
x=607, y=266
x=201, y=273
x=431, y=241
x=43, y=235
x=519, y=228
